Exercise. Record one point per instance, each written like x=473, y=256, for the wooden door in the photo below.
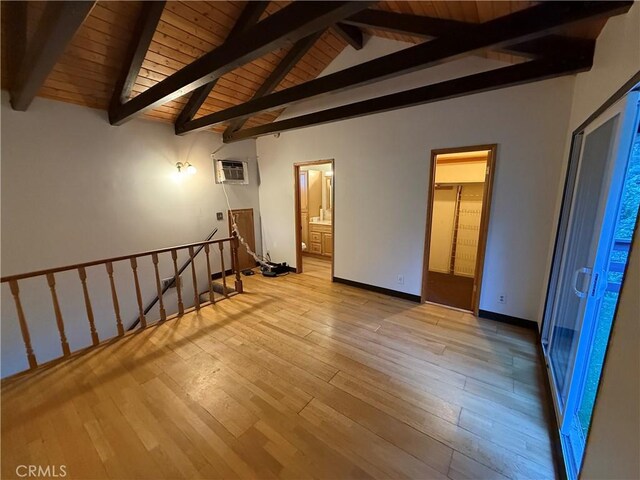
x=244, y=220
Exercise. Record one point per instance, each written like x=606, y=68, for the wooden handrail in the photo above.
x=175, y=281
x=39, y=273
x=49, y=275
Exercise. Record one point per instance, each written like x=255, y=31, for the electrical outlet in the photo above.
x=400, y=279
x=219, y=215
x=502, y=298
x=167, y=281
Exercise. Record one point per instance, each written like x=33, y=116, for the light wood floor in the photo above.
x=297, y=378
x=317, y=267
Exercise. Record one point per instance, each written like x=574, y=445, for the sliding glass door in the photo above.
x=601, y=199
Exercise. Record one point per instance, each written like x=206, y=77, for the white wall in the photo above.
x=76, y=189
x=614, y=439
x=376, y=47
x=381, y=177
x=616, y=60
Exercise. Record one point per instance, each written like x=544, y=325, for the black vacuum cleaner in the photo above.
x=272, y=269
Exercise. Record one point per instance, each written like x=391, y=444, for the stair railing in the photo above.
x=49, y=275
x=173, y=281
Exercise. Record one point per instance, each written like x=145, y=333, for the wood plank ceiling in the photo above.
x=87, y=71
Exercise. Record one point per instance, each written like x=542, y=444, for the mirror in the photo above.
x=328, y=181
x=318, y=180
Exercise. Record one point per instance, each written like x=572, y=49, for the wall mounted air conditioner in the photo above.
x=232, y=172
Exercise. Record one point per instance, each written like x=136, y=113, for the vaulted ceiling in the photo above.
x=88, y=70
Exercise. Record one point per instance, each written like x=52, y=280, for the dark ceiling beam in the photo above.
x=405, y=23
x=521, y=26
x=249, y=16
x=56, y=28
x=532, y=71
x=146, y=25
x=350, y=34
x=551, y=45
x=290, y=24
x=292, y=57
x=16, y=30
x=429, y=27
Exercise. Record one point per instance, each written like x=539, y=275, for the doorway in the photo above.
x=314, y=217
x=244, y=220
x=599, y=215
x=457, y=221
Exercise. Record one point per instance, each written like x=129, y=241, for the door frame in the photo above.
x=569, y=179
x=606, y=218
x=563, y=277
x=484, y=220
x=558, y=247
x=296, y=200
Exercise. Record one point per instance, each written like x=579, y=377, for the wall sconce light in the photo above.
x=187, y=167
